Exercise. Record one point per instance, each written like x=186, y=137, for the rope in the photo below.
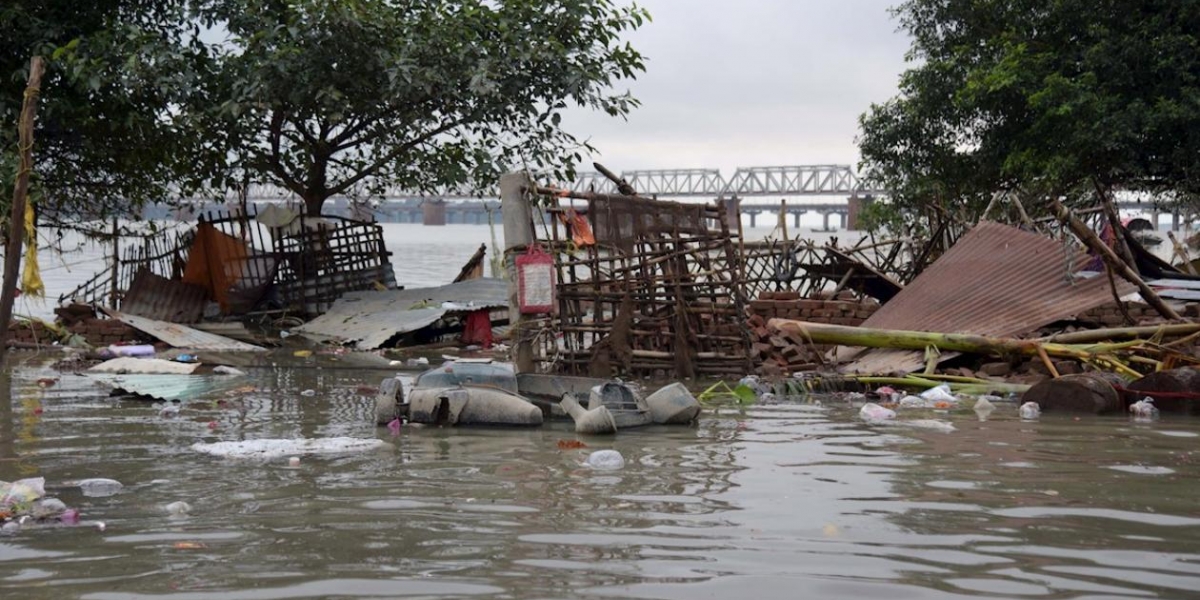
x=1172, y=395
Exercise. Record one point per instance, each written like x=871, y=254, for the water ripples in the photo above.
x=768, y=502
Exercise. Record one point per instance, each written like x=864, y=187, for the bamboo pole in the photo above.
x=1114, y=221
x=1104, y=335
x=1182, y=253
x=1088, y=237
x=16, y=221
x=845, y=335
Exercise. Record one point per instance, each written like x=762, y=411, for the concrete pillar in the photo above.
x=825, y=217
x=796, y=218
x=753, y=219
x=518, y=235
x=855, y=206
x=433, y=211
x=733, y=213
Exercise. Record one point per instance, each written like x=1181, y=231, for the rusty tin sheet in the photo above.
x=156, y=297
x=370, y=319
x=182, y=336
x=998, y=281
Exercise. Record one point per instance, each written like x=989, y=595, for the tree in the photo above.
x=1044, y=98
x=323, y=97
x=108, y=139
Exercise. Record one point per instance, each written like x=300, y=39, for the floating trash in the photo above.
x=99, y=487
x=1030, y=411
x=605, y=460
x=874, y=413
x=277, y=448
x=178, y=508
x=1144, y=408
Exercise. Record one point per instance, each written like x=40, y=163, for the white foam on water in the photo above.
x=275, y=448
x=1142, y=470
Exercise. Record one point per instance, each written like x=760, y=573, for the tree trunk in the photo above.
x=16, y=223
x=313, y=203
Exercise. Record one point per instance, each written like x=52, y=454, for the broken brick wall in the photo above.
x=97, y=332
x=776, y=353
x=102, y=332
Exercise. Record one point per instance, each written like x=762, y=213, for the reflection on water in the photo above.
x=768, y=502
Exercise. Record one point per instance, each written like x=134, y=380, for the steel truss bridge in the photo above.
x=810, y=180
x=822, y=189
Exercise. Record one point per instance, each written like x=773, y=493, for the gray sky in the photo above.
x=751, y=83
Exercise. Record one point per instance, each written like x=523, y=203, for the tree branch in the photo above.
x=393, y=154
x=274, y=160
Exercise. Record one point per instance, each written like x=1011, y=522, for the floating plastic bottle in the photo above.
x=605, y=460
x=1030, y=410
x=99, y=487
x=874, y=413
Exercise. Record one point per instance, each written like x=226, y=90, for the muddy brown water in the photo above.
x=782, y=501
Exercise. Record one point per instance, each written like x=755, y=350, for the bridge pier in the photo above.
x=854, y=209
x=433, y=212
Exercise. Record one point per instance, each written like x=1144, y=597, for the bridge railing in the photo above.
x=780, y=181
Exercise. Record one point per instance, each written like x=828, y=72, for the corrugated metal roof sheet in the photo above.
x=156, y=297
x=998, y=281
x=144, y=366
x=166, y=387
x=182, y=336
x=370, y=318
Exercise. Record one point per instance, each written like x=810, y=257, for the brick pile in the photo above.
x=776, y=353
x=97, y=332
x=31, y=332
x=102, y=332
x=1109, y=315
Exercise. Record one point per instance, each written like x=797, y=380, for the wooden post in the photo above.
x=518, y=235
x=1114, y=221
x=622, y=185
x=1182, y=253
x=16, y=221
x=116, y=266
x=1088, y=237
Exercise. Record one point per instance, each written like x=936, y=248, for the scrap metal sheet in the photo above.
x=997, y=281
x=168, y=388
x=182, y=336
x=369, y=319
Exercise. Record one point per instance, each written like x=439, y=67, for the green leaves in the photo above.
x=108, y=136
x=1041, y=96
x=334, y=95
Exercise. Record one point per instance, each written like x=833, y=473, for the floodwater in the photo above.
x=782, y=501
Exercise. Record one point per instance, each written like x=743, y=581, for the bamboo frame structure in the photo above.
x=660, y=291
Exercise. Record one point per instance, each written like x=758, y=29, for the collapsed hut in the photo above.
x=268, y=265
x=644, y=288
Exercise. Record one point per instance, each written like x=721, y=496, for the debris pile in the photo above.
x=781, y=353
x=24, y=502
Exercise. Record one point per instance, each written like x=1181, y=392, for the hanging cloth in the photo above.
x=31, y=275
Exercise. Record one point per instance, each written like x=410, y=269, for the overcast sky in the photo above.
x=751, y=83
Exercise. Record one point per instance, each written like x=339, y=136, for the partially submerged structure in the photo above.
x=272, y=263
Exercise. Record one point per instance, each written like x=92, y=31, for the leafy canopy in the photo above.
x=107, y=139
x=1041, y=97
x=329, y=97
